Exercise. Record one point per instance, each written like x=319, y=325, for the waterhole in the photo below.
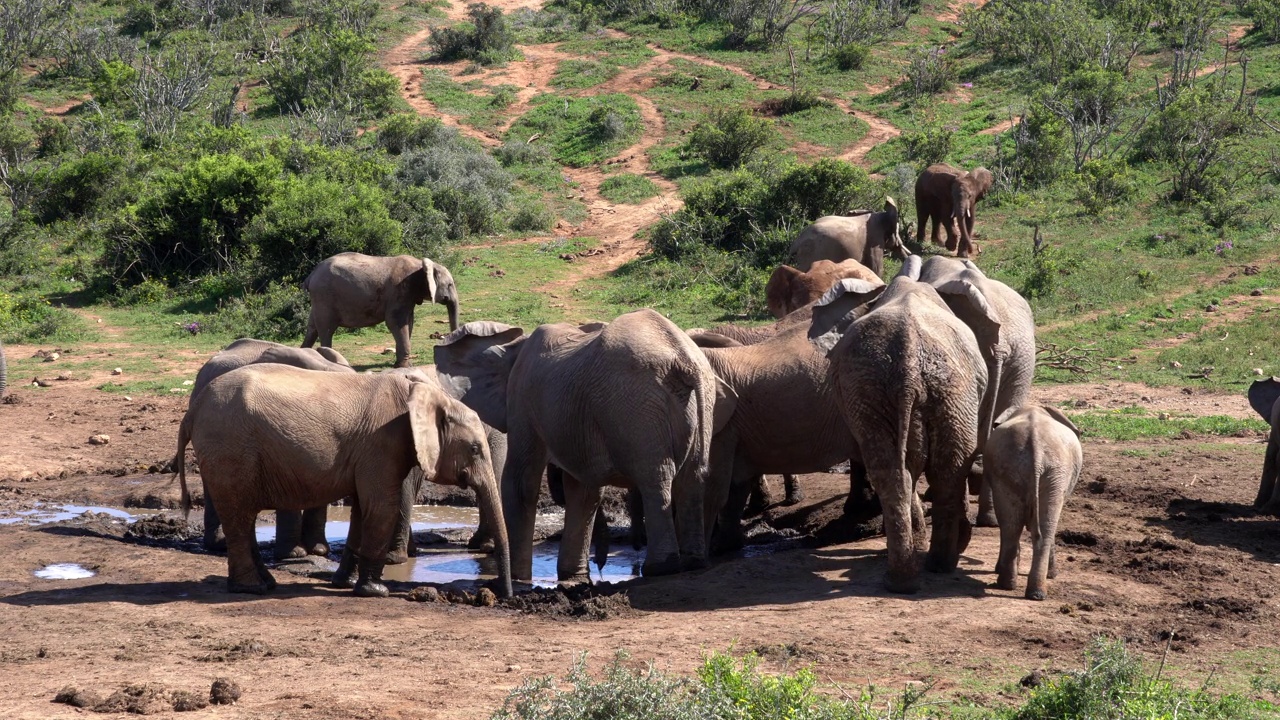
x=64, y=571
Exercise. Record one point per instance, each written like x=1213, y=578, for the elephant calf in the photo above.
x=790, y=289
x=1032, y=462
x=863, y=237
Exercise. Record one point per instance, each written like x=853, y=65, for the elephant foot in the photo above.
x=966, y=534
x=218, y=545
x=986, y=519
x=1004, y=583
x=1036, y=594
x=573, y=581
x=397, y=557
x=902, y=586
x=939, y=563
x=669, y=565
x=289, y=553
x=693, y=562
x=344, y=576
x=862, y=510
x=481, y=541
x=793, y=498
x=260, y=588
x=1270, y=508
x=370, y=583
x=403, y=363
x=320, y=549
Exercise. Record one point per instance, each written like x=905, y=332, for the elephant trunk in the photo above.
x=451, y=303
x=491, y=506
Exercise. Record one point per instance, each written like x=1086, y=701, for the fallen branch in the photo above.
x=1080, y=360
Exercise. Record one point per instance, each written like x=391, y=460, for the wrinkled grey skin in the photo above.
x=948, y=196
x=630, y=403
x=909, y=379
x=1264, y=398
x=297, y=534
x=353, y=290
x=864, y=238
x=786, y=422
x=274, y=436
x=402, y=546
x=1033, y=461
x=4, y=374
x=1008, y=349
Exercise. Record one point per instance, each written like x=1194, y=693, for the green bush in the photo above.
x=401, y=133
x=514, y=152
x=1266, y=17
x=928, y=146
x=486, y=40
x=466, y=184
x=1101, y=184
x=1050, y=38
x=311, y=218
x=330, y=68
x=850, y=57
x=110, y=85
x=580, y=131
x=531, y=215
x=798, y=101
x=30, y=317
x=731, y=137
x=279, y=312
x=930, y=71
x=1034, y=150
x=21, y=249
x=73, y=188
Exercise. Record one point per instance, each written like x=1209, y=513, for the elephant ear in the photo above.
x=911, y=267
x=726, y=405
x=426, y=422
x=592, y=327
x=833, y=312
x=778, y=289
x=1263, y=395
x=473, y=363
x=972, y=266
x=429, y=269
x=971, y=306
x=1061, y=417
x=705, y=339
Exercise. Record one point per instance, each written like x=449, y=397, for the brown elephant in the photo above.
x=863, y=237
x=1264, y=397
x=947, y=195
x=274, y=436
x=790, y=289
x=352, y=290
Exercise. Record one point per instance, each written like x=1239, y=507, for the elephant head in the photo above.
x=967, y=190
x=1263, y=395
x=452, y=448
x=475, y=361
x=893, y=232
x=441, y=289
x=845, y=302
x=1062, y=418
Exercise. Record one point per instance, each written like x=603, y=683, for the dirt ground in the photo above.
x=1158, y=538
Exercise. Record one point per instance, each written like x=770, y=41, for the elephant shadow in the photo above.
x=210, y=590
x=1237, y=526
x=795, y=576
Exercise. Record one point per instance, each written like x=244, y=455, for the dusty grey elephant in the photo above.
x=909, y=379
x=1033, y=460
x=1008, y=349
x=631, y=403
x=947, y=196
x=402, y=545
x=864, y=238
x=297, y=534
x=4, y=374
x=353, y=290
x=786, y=419
x=1263, y=398
x=273, y=436
x=789, y=289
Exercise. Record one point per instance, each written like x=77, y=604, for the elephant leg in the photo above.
x=243, y=575
x=289, y=535
x=521, y=481
x=1010, y=546
x=663, y=556
x=952, y=234
x=950, y=519
x=263, y=573
x=1267, y=488
x=378, y=512
x=635, y=511
x=214, y=539
x=760, y=496
x=1042, y=535
x=862, y=505
x=581, y=502
x=922, y=221
x=344, y=576
x=794, y=495
x=729, y=535
x=402, y=539
x=688, y=493
x=600, y=539
x=894, y=488
x=314, y=540
x=312, y=335
x=400, y=323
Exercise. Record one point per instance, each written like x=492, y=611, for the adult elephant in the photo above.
x=790, y=289
x=947, y=196
x=910, y=379
x=631, y=403
x=297, y=533
x=1008, y=347
x=1264, y=397
x=864, y=238
x=4, y=374
x=273, y=436
x=353, y=290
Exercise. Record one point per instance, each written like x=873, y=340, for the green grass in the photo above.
x=465, y=101
x=1133, y=423
x=827, y=127
x=578, y=130
x=581, y=74
x=628, y=189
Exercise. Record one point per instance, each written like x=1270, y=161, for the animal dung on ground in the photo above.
x=99, y=439
x=51, y=357
x=117, y=371
x=224, y=692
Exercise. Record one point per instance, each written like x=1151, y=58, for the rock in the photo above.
x=1032, y=680
x=1256, y=292
x=188, y=382
x=1257, y=371
x=486, y=598
x=425, y=593
x=1175, y=364
x=99, y=439
x=224, y=692
x=117, y=371
x=1211, y=307
x=51, y=357
x=37, y=382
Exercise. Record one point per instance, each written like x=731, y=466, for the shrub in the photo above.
x=74, y=187
x=279, y=312
x=326, y=68
x=514, y=152
x=730, y=137
x=1266, y=17
x=400, y=133
x=486, y=40
x=531, y=215
x=1091, y=104
x=580, y=131
x=628, y=188
x=1197, y=133
x=930, y=72
x=850, y=56
x=466, y=184
x=860, y=21
x=1101, y=184
x=928, y=146
x=795, y=102
x=29, y=317
x=1033, y=151
x=21, y=247
x=377, y=92
x=111, y=82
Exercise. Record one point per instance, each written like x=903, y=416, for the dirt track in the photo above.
x=1158, y=537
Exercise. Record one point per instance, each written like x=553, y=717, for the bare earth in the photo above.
x=1159, y=537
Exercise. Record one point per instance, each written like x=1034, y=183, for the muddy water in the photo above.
x=42, y=514
x=64, y=571
x=444, y=566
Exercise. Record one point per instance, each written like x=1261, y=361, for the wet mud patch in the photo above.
x=136, y=699
x=159, y=529
x=601, y=601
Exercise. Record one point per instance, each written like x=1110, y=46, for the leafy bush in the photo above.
x=1101, y=184
x=1050, y=38
x=930, y=145
x=930, y=72
x=21, y=248
x=514, y=152
x=849, y=56
x=74, y=187
x=846, y=22
x=330, y=67
x=730, y=137
x=531, y=215
x=1032, y=151
x=1265, y=15
x=1198, y=133
x=466, y=184
x=797, y=101
x=401, y=133
x=29, y=317
x=279, y=312
x=1091, y=103
x=486, y=40
x=111, y=82
x=628, y=188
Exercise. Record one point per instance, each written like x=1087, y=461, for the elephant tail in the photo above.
x=691, y=439
x=180, y=463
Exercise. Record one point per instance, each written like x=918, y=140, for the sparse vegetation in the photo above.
x=627, y=188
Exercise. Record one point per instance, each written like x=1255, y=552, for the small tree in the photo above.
x=486, y=40
x=730, y=137
x=165, y=87
x=27, y=27
x=1091, y=103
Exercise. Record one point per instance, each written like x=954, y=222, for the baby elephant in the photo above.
x=1032, y=460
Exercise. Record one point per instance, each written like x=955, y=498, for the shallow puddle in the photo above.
x=444, y=566
x=42, y=514
x=64, y=571
x=425, y=517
